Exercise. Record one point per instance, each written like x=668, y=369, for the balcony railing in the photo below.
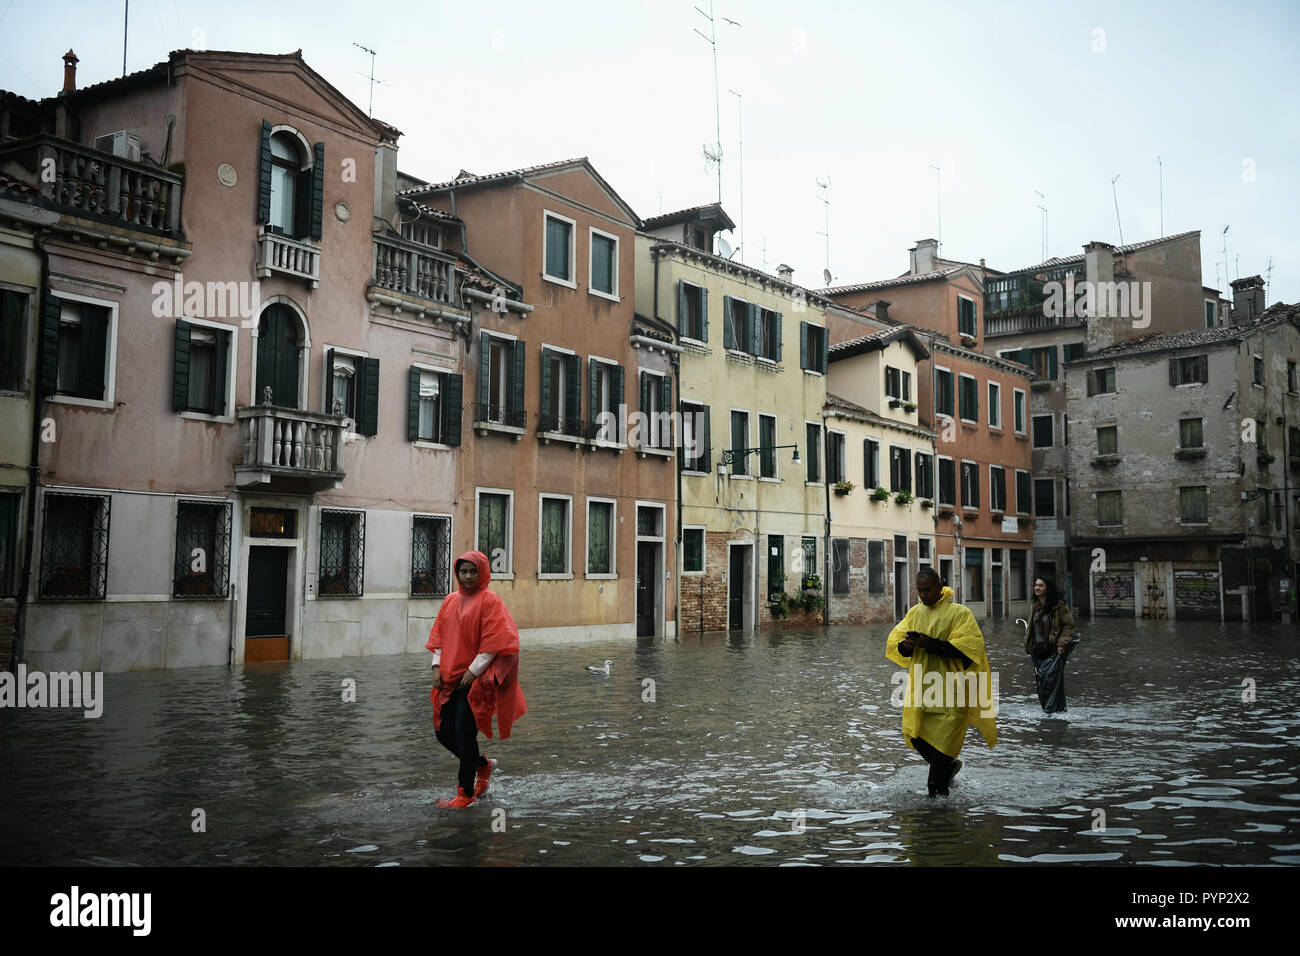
x=85, y=182
x=409, y=268
x=295, y=257
x=291, y=443
x=500, y=415
x=574, y=427
x=1027, y=320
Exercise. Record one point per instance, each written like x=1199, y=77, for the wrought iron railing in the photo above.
x=500, y=415
x=203, y=534
x=342, y=553
x=563, y=425
x=415, y=270
x=430, y=556
x=74, y=546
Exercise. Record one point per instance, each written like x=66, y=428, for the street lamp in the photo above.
x=733, y=455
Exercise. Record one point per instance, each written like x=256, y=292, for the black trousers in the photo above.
x=459, y=734
x=940, y=767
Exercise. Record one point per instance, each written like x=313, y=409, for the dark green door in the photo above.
x=266, y=591
x=277, y=356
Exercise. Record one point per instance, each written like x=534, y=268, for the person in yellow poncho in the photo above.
x=949, y=684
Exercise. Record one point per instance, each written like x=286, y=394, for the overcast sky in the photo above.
x=1006, y=98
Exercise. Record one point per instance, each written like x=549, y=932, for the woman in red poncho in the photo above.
x=475, y=646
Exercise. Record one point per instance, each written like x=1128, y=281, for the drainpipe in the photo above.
x=826, y=557
x=677, y=542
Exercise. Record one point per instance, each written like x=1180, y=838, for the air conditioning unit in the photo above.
x=121, y=143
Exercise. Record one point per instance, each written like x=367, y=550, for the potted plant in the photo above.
x=778, y=604
x=895, y=402
x=909, y=406
x=903, y=498
x=880, y=494
x=1024, y=521
x=927, y=503
x=843, y=487
x=812, y=601
x=944, y=513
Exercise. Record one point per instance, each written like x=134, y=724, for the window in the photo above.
x=656, y=400
x=695, y=437
x=1067, y=497
x=813, y=347
x=1191, y=433
x=1018, y=410
x=433, y=406
x=1209, y=314
x=1263, y=513
x=1290, y=377
x=600, y=537
x=291, y=184
x=1108, y=440
x=813, y=450
x=1293, y=441
x=1074, y=351
x=606, y=384
x=342, y=552
x=970, y=485
x=342, y=378
x=924, y=552
x=947, y=482
x=809, y=559
x=202, y=549
x=13, y=340
x=559, y=253
x=769, y=335
x=766, y=441
x=898, y=384
x=649, y=521
x=836, y=469
x=875, y=567
x=1101, y=381
x=871, y=463
x=494, y=529
x=604, y=264
x=1277, y=511
x=561, y=393
x=970, y=408
x=974, y=577
x=943, y=393
x=352, y=384
x=739, y=441
x=995, y=405
x=1261, y=436
x=1185, y=371
x=692, y=550
x=692, y=311
x=1193, y=505
x=9, y=509
x=1042, y=361
x=900, y=469
x=1065, y=429
x=775, y=566
x=1043, y=431
x=1044, y=498
x=924, y=475
x=738, y=324
x=840, y=565
x=1259, y=370
x=966, y=316
x=430, y=555
x=553, y=551
x=1023, y=493
x=501, y=381
x=200, y=368
x=1110, y=508
x=85, y=333
x=74, y=546
x=997, y=488
x=1019, y=579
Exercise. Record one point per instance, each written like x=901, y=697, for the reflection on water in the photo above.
x=766, y=749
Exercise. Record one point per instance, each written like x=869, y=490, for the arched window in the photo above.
x=278, y=347
x=291, y=185
x=286, y=172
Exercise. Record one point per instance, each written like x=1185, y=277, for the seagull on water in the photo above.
x=600, y=670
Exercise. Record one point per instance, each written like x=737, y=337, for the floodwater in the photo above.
x=775, y=748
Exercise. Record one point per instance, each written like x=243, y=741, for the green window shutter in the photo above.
x=666, y=396
x=617, y=388
x=546, y=382
x=708, y=448
x=94, y=340
x=302, y=196
x=181, y=367
x=803, y=344
x=413, y=404
x=517, y=382
x=1051, y=362
x=1092, y=382
x=645, y=392
x=223, y=359
x=484, y=371
x=704, y=313
x=1173, y=371
x=592, y=410
x=48, y=372
x=264, y=177
x=753, y=319
x=682, y=328
x=779, y=317
x=728, y=325
x=572, y=389
x=453, y=397
x=824, y=338
x=317, y=189
x=329, y=386
x=368, y=396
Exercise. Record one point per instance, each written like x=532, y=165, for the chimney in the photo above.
x=923, y=255
x=785, y=273
x=880, y=309
x=1099, y=262
x=1247, y=299
x=69, y=72
x=386, y=182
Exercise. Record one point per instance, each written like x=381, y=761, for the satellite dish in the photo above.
x=826, y=274
x=724, y=247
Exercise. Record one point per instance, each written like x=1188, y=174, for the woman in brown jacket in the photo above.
x=1049, y=638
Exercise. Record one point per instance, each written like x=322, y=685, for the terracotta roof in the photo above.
x=430, y=211
x=834, y=401
x=1057, y=261
x=890, y=283
x=1197, y=338
x=470, y=179
x=10, y=185
x=875, y=341
x=685, y=215
x=642, y=326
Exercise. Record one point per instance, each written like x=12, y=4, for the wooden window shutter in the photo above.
x=453, y=396
x=728, y=324
x=302, y=199
x=592, y=372
x=264, y=177
x=517, y=381
x=708, y=448
x=317, y=189
x=803, y=344
x=48, y=345
x=754, y=319
x=666, y=395
x=484, y=371
x=328, y=397
x=683, y=327
x=1051, y=363
x=181, y=367
x=1092, y=381
x=645, y=392
x=704, y=314
x=368, y=397
x=617, y=379
x=824, y=338
x=546, y=384
x=779, y=316
x=1173, y=371
x=94, y=341
x=413, y=404
x=572, y=389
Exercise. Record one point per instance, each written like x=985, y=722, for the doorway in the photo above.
x=265, y=636
x=647, y=563
x=739, y=564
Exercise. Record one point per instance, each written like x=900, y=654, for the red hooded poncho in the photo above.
x=470, y=623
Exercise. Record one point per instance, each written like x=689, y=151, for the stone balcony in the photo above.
x=281, y=255
x=411, y=277
x=290, y=443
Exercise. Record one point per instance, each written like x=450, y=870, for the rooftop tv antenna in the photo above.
x=370, y=109
x=824, y=188
x=1161, y=163
x=1043, y=206
x=740, y=160
x=1227, y=276
x=938, y=207
x=1268, y=277
x=714, y=157
x=126, y=19
x=1114, y=192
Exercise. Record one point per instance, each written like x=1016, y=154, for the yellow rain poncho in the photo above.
x=937, y=685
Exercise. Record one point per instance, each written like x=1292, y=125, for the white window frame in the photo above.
x=956, y=399
x=110, y=347
x=571, y=282
x=567, y=573
x=776, y=458
x=665, y=446
x=935, y=401
x=1030, y=511
x=231, y=369
x=1003, y=509
x=453, y=583
x=562, y=392
x=690, y=416
x=821, y=452
x=509, y=574
x=1033, y=431
x=610, y=439
x=613, y=540
x=704, y=550
x=975, y=310
x=956, y=482
x=1024, y=408
x=592, y=232
x=424, y=442
x=995, y=405
x=929, y=562
x=1263, y=370
x=327, y=387
x=702, y=292
x=826, y=452
x=975, y=469
x=749, y=425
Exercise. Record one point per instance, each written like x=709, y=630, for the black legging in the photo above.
x=459, y=734
x=940, y=766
